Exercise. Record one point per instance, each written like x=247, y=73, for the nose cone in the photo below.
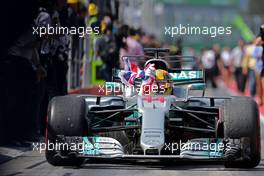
x=153, y=111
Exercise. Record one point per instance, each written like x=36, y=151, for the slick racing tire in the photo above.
x=66, y=116
x=241, y=121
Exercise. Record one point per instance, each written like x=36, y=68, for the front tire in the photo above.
x=66, y=116
x=241, y=121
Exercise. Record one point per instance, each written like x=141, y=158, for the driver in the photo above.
x=151, y=77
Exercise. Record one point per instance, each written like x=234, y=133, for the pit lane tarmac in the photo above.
x=25, y=162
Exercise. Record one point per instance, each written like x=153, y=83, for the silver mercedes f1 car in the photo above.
x=156, y=113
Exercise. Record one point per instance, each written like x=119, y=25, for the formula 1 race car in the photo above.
x=151, y=114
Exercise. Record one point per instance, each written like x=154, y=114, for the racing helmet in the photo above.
x=163, y=82
x=159, y=64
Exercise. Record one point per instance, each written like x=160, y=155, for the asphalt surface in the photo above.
x=24, y=161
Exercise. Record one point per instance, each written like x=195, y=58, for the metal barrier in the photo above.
x=79, y=64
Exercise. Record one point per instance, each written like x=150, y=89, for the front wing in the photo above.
x=104, y=148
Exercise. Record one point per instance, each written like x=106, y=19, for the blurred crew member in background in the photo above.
x=53, y=56
x=227, y=63
x=107, y=51
x=261, y=35
x=257, y=54
x=217, y=52
x=93, y=22
x=248, y=67
x=59, y=52
x=237, y=56
x=208, y=62
x=129, y=46
x=46, y=7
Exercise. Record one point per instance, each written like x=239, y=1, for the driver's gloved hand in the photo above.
x=150, y=71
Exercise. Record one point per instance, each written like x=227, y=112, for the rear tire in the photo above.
x=66, y=116
x=241, y=120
